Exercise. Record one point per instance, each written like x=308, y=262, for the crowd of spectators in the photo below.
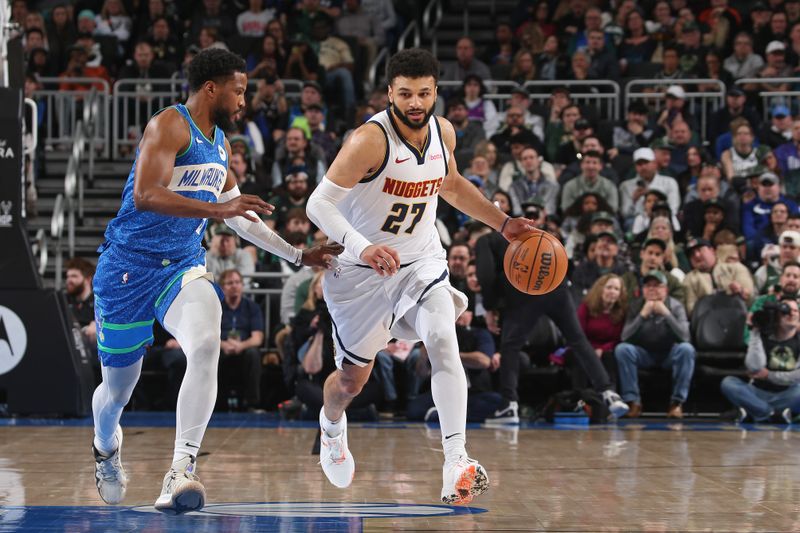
x=678, y=200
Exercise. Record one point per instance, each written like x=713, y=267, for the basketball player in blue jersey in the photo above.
x=152, y=266
x=379, y=200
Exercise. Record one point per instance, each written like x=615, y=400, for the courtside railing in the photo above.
x=790, y=97
x=64, y=99
x=701, y=104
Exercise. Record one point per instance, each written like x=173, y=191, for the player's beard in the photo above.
x=408, y=122
x=224, y=120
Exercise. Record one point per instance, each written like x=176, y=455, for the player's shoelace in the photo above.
x=335, y=446
x=110, y=469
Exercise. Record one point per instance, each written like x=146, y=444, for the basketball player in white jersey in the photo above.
x=379, y=200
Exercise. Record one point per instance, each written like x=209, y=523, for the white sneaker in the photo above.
x=507, y=415
x=616, y=407
x=334, y=456
x=182, y=491
x=462, y=480
x=109, y=476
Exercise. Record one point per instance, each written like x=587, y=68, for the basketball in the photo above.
x=535, y=263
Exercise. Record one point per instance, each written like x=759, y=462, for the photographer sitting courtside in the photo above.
x=773, y=364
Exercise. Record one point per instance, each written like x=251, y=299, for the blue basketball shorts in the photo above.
x=131, y=291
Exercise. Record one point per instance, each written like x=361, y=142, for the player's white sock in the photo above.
x=109, y=398
x=332, y=429
x=434, y=320
x=194, y=320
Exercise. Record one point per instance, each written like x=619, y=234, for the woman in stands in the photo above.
x=601, y=316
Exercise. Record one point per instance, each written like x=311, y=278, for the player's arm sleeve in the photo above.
x=322, y=211
x=259, y=233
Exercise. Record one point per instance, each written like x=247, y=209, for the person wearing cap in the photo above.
x=514, y=126
x=520, y=97
x=468, y=132
x=691, y=49
x=776, y=66
x=743, y=155
x=663, y=152
x=569, y=150
x=633, y=132
x=759, y=14
x=465, y=63
x=590, y=180
x=654, y=204
x=767, y=275
x=591, y=143
x=533, y=184
x=772, y=390
x=709, y=275
x=294, y=194
x=788, y=156
x=606, y=259
x=652, y=257
x=756, y=212
x=778, y=130
x=720, y=120
x=225, y=253
x=632, y=192
x=787, y=286
x=314, y=115
x=656, y=334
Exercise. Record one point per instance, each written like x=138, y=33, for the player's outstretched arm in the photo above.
x=165, y=136
x=361, y=155
x=465, y=197
x=250, y=227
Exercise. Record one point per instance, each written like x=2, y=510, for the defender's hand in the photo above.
x=322, y=255
x=383, y=259
x=240, y=206
x=517, y=226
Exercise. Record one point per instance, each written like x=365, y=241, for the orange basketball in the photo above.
x=535, y=263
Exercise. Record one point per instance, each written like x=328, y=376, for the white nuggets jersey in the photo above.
x=396, y=205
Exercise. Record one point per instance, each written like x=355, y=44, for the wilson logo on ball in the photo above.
x=535, y=263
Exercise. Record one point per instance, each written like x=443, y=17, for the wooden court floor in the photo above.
x=261, y=476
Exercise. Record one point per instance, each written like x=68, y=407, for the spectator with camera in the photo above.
x=656, y=334
x=773, y=365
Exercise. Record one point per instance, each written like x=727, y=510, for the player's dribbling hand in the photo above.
x=383, y=259
x=322, y=255
x=240, y=206
x=517, y=226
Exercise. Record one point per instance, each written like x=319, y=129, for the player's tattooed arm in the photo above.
x=465, y=197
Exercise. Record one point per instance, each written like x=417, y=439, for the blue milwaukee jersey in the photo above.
x=199, y=173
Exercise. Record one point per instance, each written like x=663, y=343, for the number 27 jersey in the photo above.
x=396, y=205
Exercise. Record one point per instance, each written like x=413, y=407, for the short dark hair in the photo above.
x=592, y=153
x=213, y=64
x=34, y=30
x=225, y=274
x=412, y=63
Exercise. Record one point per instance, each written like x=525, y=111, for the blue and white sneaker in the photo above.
x=109, y=475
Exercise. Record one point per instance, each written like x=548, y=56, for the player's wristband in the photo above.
x=503, y=227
